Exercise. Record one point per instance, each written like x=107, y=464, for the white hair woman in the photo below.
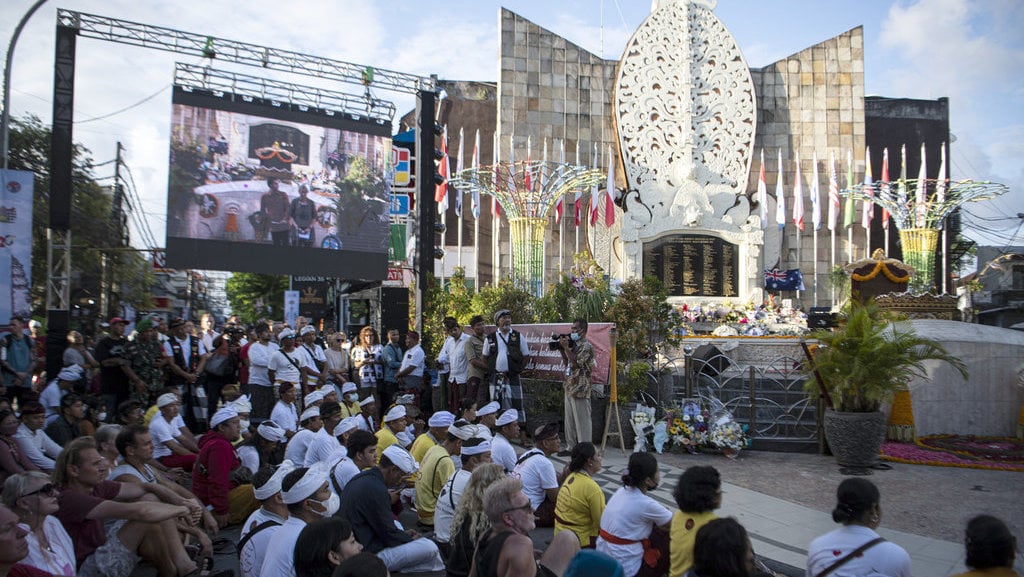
x=32, y=496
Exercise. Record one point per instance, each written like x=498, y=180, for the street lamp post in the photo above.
x=5, y=120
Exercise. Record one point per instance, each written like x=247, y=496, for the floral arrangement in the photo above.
x=692, y=428
x=746, y=319
x=642, y=420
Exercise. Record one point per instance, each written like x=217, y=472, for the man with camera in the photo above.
x=578, y=354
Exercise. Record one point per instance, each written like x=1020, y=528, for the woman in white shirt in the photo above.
x=630, y=517
x=33, y=497
x=855, y=548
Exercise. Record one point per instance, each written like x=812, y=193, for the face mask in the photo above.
x=244, y=424
x=102, y=416
x=574, y=336
x=330, y=505
x=352, y=397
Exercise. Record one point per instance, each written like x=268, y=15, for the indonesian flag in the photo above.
x=458, y=171
x=921, y=203
x=529, y=167
x=475, y=206
x=798, y=197
x=901, y=186
x=815, y=196
x=595, y=195
x=780, y=198
x=609, y=198
x=885, y=189
x=441, y=190
x=578, y=199
x=867, y=206
x=762, y=194
x=833, y=194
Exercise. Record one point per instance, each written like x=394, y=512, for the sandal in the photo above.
x=223, y=545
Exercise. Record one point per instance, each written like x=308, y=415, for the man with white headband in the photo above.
x=366, y=503
x=285, y=413
x=349, y=400
x=286, y=364
x=475, y=452
x=324, y=443
x=360, y=454
x=502, y=451
x=313, y=399
x=486, y=416
x=367, y=410
x=259, y=529
x=394, y=422
x=55, y=391
x=298, y=445
x=437, y=424
x=316, y=360
x=437, y=467
x=307, y=493
x=213, y=477
x=259, y=451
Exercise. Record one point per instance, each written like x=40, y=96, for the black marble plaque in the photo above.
x=694, y=265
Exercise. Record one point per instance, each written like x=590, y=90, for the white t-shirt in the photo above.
x=311, y=359
x=162, y=431
x=259, y=360
x=285, y=370
x=537, y=474
x=322, y=447
x=60, y=560
x=884, y=559
x=414, y=358
x=501, y=361
x=250, y=558
x=50, y=399
x=37, y=447
x=343, y=471
x=454, y=353
x=298, y=445
x=631, y=515
x=285, y=415
x=503, y=453
x=447, y=502
x=249, y=456
x=280, y=557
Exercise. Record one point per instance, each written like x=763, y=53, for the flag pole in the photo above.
x=459, y=202
x=561, y=219
x=495, y=222
x=798, y=217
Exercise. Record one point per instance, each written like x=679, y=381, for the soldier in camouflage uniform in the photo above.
x=145, y=353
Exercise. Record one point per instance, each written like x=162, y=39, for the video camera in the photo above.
x=555, y=345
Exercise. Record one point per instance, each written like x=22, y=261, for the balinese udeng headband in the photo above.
x=441, y=419
x=273, y=485
x=507, y=418
x=271, y=431
x=470, y=450
x=462, y=430
x=307, y=486
x=367, y=401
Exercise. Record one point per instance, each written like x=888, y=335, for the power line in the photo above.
x=125, y=109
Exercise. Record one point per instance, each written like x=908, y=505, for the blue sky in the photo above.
x=969, y=50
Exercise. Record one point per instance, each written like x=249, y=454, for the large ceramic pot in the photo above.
x=855, y=438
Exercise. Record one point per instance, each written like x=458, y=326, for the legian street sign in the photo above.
x=399, y=205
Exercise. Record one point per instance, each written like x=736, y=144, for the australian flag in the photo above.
x=789, y=280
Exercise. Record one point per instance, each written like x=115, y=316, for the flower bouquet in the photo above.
x=726, y=434
x=642, y=420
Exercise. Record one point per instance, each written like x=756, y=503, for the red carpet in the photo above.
x=1001, y=453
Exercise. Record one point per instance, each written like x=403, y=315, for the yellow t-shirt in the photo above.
x=150, y=413
x=420, y=446
x=682, y=534
x=385, y=438
x=436, y=468
x=579, y=507
x=347, y=411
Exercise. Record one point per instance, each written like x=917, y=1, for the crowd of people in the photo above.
x=335, y=459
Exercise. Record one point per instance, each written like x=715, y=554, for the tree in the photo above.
x=255, y=296
x=92, y=227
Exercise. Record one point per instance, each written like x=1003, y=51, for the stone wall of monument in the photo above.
x=812, y=101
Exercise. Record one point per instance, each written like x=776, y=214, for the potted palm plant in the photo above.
x=858, y=367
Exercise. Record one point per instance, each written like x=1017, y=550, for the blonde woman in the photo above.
x=366, y=359
x=33, y=498
x=470, y=521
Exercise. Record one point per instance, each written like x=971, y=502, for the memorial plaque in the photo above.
x=694, y=265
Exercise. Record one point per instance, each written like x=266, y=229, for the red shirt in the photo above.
x=211, y=475
x=75, y=506
x=20, y=570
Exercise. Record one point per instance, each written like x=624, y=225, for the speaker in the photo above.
x=820, y=318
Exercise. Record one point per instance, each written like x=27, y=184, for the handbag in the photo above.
x=218, y=366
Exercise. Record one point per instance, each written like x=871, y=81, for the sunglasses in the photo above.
x=48, y=489
x=528, y=507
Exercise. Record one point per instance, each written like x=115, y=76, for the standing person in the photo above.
x=476, y=364
x=698, y=494
x=17, y=359
x=221, y=369
x=474, y=453
x=35, y=330
x=991, y=548
x=453, y=358
x=631, y=516
x=77, y=354
x=507, y=550
x=33, y=497
x=274, y=207
x=338, y=362
x=32, y=441
x=410, y=375
x=470, y=521
x=507, y=355
x=116, y=374
x=535, y=469
x=502, y=451
x=316, y=360
x=366, y=503
x=580, y=501
x=302, y=211
x=855, y=546
x=185, y=355
x=578, y=355
x=307, y=493
x=258, y=530
x=145, y=355
x=206, y=331
x=392, y=355
x=261, y=387
x=366, y=362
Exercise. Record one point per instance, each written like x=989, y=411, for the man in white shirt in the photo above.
x=361, y=453
x=168, y=447
x=299, y=443
x=324, y=445
x=258, y=530
x=307, y=493
x=207, y=334
x=537, y=472
x=285, y=414
x=316, y=359
x=368, y=408
x=261, y=388
x=502, y=451
x=507, y=354
x=35, y=444
x=55, y=391
x=410, y=374
x=475, y=452
x=286, y=365
x=452, y=359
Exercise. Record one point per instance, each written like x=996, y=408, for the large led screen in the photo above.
x=274, y=188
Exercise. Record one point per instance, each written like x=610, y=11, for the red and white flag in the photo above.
x=798, y=196
x=609, y=198
x=921, y=202
x=595, y=194
x=560, y=203
x=441, y=190
x=762, y=194
x=815, y=195
x=833, y=194
x=527, y=180
x=868, y=190
x=885, y=188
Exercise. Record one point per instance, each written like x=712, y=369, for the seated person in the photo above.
x=991, y=548
x=361, y=454
x=537, y=472
x=324, y=445
x=262, y=449
x=57, y=389
x=298, y=444
x=366, y=503
x=698, y=494
x=12, y=460
x=307, y=493
x=437, y=424
x=475, y=452
x=33, y=497
x=65, y=427
x=323, y=545
x=394, y=423
x=260, y=527
x=437, y=467
x=170, y=444
x=140, y=525
x=580, y=500
x=215, y=478
x=32, y=441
